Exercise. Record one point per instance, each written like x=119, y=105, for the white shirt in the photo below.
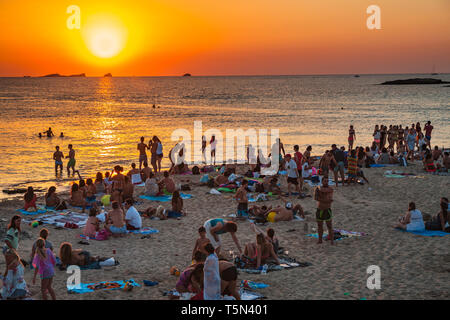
x=305, y=172
x=291, y=168
x=134, y=217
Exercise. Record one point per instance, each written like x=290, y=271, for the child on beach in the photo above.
x=241, y=198
x=43, y=234
x=167, y=183
x=30, y=200
x=201, y=242
x=44, y=262
x=92, y=224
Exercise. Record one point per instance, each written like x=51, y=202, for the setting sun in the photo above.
x=104, y=36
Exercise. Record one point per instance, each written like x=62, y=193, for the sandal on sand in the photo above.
x=83, y=242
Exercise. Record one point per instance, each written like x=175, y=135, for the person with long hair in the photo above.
x=12, y=234
x=259, y=252
x=30, y=200
x=44, y=263
x=14, y=285
x=53, y=201
x=76, y=257
x=99, y=183
x=77, y=198
x=441, y=220
x=412, y=220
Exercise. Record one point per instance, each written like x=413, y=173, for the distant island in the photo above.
x=415, y=81
x=108, y=75
x=186, y=75
x=57, y=75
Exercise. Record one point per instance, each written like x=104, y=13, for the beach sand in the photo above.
x=412, y=267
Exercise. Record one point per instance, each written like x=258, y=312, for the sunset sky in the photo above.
x=229, y=37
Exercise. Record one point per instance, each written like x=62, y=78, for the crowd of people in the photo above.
x=211, y=275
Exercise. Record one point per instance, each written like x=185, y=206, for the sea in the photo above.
x=104, y=117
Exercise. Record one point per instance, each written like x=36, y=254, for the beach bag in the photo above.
x=195, y=170
x=204, y=178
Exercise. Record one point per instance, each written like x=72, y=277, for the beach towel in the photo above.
x=136, y=178
x=165, y=198
x=224, y=189
x=104, y=285
x=145, y=230
x=253, y=285
x=319, y=184
x=286, y=262
x=428, y=233
x=81, y=208
x=60, y=219
x=344, y=234
x=31, y=213
x=379, y=165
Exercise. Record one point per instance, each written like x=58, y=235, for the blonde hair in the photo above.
x=40, y=249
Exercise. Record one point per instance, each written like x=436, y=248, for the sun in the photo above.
x=104, y=36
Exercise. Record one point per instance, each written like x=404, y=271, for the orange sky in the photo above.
x=229, y=37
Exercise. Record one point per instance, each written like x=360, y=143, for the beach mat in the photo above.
x=428, y=233
x=60, y=219
x=140, y=231
x=286, y=262
x=31, y=213
x=103, y=285
x=165, y=198
x=344, y=234
x=319, y=184
x=380, y=165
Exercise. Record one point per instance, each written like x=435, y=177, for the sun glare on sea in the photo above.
x=105, y=37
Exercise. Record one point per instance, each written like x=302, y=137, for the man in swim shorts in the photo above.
x=58, y=156
x=241, y=198
x=142, y=152
x=428, y=128
x=324, y=196
x=71, y=163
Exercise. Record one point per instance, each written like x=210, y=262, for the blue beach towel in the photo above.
x=165, y=198
x=380, y=165
x=428, y=233
x=144, y=231
x=32, y=213
x=104, y=285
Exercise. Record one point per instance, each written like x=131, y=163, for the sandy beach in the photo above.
x=412, y=266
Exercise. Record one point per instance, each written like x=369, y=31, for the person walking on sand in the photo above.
x=58, y=156
x=324, y=196
x=142, y=152
x=428, y=128
x=71, y=162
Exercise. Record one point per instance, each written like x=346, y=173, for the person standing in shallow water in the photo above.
x=142, y=152
x=58, y=156
x=71, y=163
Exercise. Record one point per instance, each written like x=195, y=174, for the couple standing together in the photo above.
x=156, y=150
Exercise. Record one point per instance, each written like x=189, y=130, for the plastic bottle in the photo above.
x=264, y=269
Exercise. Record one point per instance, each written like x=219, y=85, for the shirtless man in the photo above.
x=58, y=156
x=436, y=153
x=115, y=220
x=145, y=173
x=71, y=163
x=133, y=170
x=284, y=214
x=168, y=183
x=222, y=178
x=142, y=152
x=201, y=242
x=128, y=189
x=446, y=161
x=153, y=146
x=242, y=200
x=325, y=162
x=324, y=196
x=49, y=133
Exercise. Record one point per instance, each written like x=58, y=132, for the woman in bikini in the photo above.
x=260, y=252
x=228, y=279
x=76, y=257
x=351, y=137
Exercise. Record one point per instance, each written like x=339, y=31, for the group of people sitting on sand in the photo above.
x=414, y=220
x=42, y=259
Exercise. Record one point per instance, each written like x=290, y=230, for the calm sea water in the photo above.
x=104, y=117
